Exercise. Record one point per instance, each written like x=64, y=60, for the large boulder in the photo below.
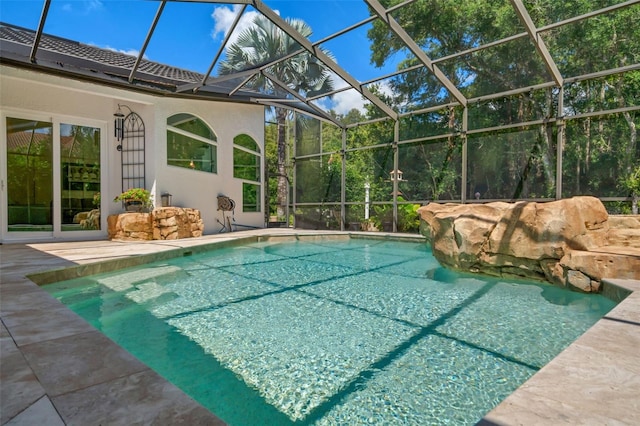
x=565, y=242
x=166, y=223
x=130, y=226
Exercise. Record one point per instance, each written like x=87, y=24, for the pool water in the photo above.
x=333, y=332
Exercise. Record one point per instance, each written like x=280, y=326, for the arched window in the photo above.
x=191, y=143
x=246, y=166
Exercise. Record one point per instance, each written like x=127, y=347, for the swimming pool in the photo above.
x=333, y=332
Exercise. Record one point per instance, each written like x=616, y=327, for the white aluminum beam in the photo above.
x=323, y=57
x=223, y=45
x=397, y=29
x=524, y=16
x=36, y=39
x=146, y=40
x=295, y=94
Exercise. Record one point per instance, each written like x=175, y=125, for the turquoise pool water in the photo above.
x=333, y=332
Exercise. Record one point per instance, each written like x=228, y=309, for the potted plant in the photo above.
x=135, y=199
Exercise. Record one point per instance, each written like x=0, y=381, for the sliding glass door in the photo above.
x=29, y=175
x=80, y=177
x=53, y=178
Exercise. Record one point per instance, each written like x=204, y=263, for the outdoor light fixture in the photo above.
x=165, y=199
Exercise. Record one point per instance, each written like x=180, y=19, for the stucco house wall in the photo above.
x=36, y=95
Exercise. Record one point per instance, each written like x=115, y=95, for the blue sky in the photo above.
x=188, y=35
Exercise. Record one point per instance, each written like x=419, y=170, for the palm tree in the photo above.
x=261, y=44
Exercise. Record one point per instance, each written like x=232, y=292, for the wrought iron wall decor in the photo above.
x=132, y=150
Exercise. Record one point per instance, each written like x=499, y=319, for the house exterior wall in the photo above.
x=42, y=96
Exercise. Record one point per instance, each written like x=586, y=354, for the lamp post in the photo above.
x=367, y=186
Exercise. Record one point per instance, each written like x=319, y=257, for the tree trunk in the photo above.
x=283, y=187
x=633, y=131
x=548, y=151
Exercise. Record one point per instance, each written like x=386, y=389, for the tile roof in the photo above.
x=59, y=55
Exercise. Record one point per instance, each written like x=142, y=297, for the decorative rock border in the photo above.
x=570, y=242
x=166, y=223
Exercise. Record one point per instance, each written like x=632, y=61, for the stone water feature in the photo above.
x=570, y=242
x=165, y=223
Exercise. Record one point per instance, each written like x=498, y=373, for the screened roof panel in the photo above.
x=172, y=45
x=318, y=80
x=443, y=27
x=343, y=100
x=596, y=44
x=126, y=33
x=415, y=89
x=500, y=68
x=323, y=12
x=273, y=47
x=355, y=46
x=553, y=12
x=383, y=57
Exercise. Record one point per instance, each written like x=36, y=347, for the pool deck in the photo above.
x=56, y=369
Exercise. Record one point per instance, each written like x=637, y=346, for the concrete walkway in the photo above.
x=56, y=369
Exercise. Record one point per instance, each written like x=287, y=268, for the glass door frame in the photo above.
x=56, y=233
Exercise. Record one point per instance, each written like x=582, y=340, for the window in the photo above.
x=250, y=197
x=246, y=166
x=191, y=143
x=246, y=158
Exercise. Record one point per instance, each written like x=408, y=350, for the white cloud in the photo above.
x=344, y=102
x=93, y=5
x=85, y=6
x=384, y=88
x=223, y=17
x=131, y=52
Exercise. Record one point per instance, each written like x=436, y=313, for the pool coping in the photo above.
x=595, y=380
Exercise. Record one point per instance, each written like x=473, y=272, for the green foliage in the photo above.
x=631, y=182
x=136, y=194
x=408, y=218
